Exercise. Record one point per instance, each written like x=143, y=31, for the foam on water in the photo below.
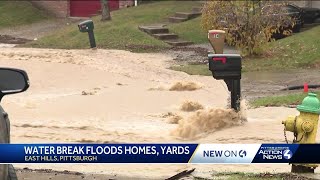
x=204, y=122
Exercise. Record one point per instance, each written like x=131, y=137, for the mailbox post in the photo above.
x=225, y=67
x=87, y=26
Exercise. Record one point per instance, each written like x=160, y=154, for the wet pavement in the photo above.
x=261, y=84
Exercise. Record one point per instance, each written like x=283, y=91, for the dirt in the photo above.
x=37, y=30
x=6, y=39
x=144, y=48
x=54, y=109
x=49, y=174
x=283, y=176
x=195, y=54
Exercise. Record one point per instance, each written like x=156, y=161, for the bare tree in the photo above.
x=249, y=24
x=105, y=11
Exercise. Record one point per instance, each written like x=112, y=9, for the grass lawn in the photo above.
x=291, y=99
x=122, y=31
x=190, y=30
x=301, y=50
x=16, y=13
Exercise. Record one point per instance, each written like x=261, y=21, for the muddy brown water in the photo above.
x=120, y=107
x=260, y=84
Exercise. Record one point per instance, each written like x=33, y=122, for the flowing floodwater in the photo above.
x=259, y=84
x=113, y=96
x=205, y=122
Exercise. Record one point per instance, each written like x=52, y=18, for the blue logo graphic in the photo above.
x=242, y=153
x=287, y=154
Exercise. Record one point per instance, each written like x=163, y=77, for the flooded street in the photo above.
x=260, y=84
x=114, y=96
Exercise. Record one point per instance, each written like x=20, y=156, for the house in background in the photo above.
x=78, y=8
x=87, y=8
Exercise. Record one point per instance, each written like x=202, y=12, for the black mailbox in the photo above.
x=225, y=66
x=228, y=67
x=87, y=26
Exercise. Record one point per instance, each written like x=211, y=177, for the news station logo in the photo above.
x=225, y=153
x=271, y=153
x=287, y=154
x=242, y=153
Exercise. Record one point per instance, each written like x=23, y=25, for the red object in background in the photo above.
x=305, y=87
x=113, y=4
x=222, y=59
x=79, y=8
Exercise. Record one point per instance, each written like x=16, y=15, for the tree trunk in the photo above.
x=105, y=11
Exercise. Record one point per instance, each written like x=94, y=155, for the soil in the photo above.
x=49, y=174
x=36, y=30
x=6, y=39
x=196, y=54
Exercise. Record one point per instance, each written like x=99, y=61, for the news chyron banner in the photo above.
x=160, y=153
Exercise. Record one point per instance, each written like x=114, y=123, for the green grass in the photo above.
x=190, y=30
x=284, y=100
x=122, y=31
x=299, y=51
x=16, y=13
x=193, y=69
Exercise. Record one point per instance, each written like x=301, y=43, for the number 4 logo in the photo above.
x=287, y=154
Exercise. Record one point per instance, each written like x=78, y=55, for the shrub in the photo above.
x=250, y=24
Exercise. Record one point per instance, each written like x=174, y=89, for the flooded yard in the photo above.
x=113, y=96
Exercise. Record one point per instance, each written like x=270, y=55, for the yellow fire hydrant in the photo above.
x=304, y=127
